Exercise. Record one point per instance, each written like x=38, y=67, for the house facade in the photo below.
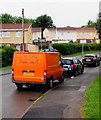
x=87, y=35
x=36, y=33
x=12, y=35
x=67, y=34
x=60, y=34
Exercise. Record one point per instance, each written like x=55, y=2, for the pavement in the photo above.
x=5, y=72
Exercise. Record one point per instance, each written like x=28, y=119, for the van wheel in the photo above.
x=50, y=83
x=61, y=80
x=19, y=86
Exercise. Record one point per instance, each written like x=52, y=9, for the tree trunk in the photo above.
x=42, y=33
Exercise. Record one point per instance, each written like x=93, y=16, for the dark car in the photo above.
x=91, y=59
x=72, y=66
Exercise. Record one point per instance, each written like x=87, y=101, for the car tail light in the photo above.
x=45, y=73
x=12, y=72
x=82, y=59
x=94, y=58
x=73, y=66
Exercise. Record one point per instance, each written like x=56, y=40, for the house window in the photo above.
x=5, y=34
x=18, y=34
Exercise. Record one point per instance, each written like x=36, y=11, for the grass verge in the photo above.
x=86, y=52
x=91, y=103
x=4, y=68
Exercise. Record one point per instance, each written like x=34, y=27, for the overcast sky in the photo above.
x=64, y=13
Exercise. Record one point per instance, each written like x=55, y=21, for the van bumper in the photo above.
x=23, y=82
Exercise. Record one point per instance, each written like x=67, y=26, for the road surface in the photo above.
x=15, y=103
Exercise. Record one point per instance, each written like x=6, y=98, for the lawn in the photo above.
x=4, y=68
x=91, y=103
x=86, y=52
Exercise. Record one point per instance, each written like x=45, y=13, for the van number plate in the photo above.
x=28, y=73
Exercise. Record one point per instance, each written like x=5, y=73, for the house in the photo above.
x=87, y=35
x=12, y=35
x=36, y=33
x=67, y=34
x=60, y=34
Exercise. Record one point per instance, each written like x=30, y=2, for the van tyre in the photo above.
x=50, y=83
x=19, y=86
x=62, y=79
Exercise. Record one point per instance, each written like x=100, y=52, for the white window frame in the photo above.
x=5, y=34
x=18, y=34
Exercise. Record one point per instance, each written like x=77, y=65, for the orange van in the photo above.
x=36, y=68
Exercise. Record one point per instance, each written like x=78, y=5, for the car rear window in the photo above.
x=67, y=61
x=89, y=56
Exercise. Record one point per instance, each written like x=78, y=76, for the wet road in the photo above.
x=15, y=103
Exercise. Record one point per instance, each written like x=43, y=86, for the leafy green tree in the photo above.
x=99, y=25
x=43, y=21
x=6, y=18
x=91, y=24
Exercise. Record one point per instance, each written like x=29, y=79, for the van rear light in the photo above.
x=12, y=72
x=73, y=66
x=45, y=73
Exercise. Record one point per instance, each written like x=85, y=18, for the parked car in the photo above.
x=72, y=66
x=91, y=59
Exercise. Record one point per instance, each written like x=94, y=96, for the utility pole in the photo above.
x=23, y=44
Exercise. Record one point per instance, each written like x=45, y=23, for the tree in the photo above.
x=98, y=26
x=91, y=24
x=6, y=18
x=43, y=21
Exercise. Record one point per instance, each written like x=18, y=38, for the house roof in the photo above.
x=36, y=29
x=62, y=28
x=74, y=28
x=65, y=28
x=15, y=26
x=86, y=29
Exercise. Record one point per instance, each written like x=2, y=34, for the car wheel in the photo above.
x=76, y=73
x=19, y=86
x=96, y=64
x=82, y=71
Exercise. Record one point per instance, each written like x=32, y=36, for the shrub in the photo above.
x=71, y=48
x=7, y=55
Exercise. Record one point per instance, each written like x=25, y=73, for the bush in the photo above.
x=71, y=48
x=7, y=54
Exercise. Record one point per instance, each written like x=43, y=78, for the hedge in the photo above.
x=6, y=55
x=71, y=48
